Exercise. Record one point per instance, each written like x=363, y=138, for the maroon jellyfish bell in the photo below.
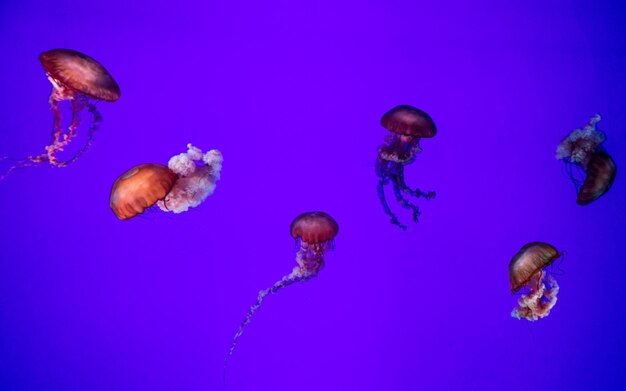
x=314, y=232
x=80, y=73
x=407, y=125
x=601, y=172
x=527, y=269
x=409, y=121
x=83, y=81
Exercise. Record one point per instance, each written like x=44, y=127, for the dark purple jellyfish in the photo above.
x=407, y=125
x=314, y=233
x=590, y=168
x=527, y=270
x=80, y=79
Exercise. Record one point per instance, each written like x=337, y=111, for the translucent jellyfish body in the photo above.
x=186, y=182
x=590, y=168
x=77, y=78
x=314, y=233
x=527, y=270
x=407, y=125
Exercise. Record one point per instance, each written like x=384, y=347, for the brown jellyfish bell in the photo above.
x=314, y=233
x=409, y=121
x=407, y=125
x=527, y=269
x=81, y=80
x=601, y=172
x=140, y=188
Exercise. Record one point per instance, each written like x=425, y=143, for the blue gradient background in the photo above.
x=292, y=94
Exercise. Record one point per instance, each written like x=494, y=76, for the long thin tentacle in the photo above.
x=383, y=200
x=284, y=282
x=415, y=193
x=56, y=121
x=96, y=118
x=402, y=201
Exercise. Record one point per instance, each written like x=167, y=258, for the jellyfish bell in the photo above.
x=77, y=71
x=531, y=258
x=528, y=269
x=407, y=125
x=313, y=232
x=601, y=172
x=314, y=227
x=409, y=121
x=140, y=188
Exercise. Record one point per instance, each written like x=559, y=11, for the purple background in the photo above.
x=292, y=95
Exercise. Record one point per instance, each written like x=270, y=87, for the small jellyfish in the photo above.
x=590, y=168
x=528, y=269
x=314, y=233
x=81, y=80
x=407, y=125
x=188, y=180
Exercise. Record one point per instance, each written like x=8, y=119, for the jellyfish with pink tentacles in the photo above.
x=590, y=168
x=527, y=270
x=314, y=233
x=408, y=125
x=187, y=180
x=82, y=81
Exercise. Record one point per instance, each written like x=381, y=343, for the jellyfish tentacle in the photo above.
x=383, y=200
x=415, y=193
x=96, y=118
x=287, y=280
x=57, y=128
x=402, y=201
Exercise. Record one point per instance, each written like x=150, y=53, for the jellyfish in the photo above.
x=407, y=125
x=314, y=233
x=590, y=168
x=187, y=180
x=528, y=270
x=83, y=81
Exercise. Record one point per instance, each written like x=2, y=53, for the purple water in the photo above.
x=292, y=94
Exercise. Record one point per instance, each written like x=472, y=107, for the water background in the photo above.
x=292, y=94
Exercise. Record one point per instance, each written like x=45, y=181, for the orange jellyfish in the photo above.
x=589, y=167
x=81, y=80
x=407, y=125
x=140, y=188
x=314, y=233
x=528, y=269
x=187, y=180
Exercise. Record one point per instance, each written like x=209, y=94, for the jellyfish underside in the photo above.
x=398, y=152
x=540, y=299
